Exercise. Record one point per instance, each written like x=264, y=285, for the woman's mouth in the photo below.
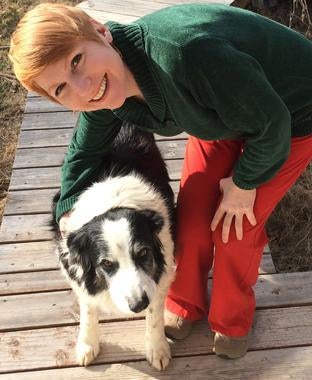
x=101, y=91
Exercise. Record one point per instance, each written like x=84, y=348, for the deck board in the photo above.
x=281, y=364
x=39, y=256
x=47, y=148
x=53, y=279
x=38, y=308
x=58, y=308
x=49, y=177
x=272, y=328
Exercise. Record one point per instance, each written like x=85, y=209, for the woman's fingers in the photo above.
x=228, y=218
x=251, y=217
x=216, y=219
x=226, y=227
x=239, y=226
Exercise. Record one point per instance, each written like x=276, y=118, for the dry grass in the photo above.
x=12, y=95
x=289, y=228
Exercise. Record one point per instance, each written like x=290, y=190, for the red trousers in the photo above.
x=236, y=263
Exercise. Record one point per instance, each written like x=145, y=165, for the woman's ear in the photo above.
x=103, y=30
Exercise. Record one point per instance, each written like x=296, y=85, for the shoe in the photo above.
x=176, y=327
x=227, y=347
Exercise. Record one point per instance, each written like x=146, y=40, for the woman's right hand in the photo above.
x=63, y=223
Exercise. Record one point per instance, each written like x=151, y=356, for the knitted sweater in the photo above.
x=213, y=71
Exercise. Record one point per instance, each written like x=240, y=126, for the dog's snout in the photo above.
x=137, y=305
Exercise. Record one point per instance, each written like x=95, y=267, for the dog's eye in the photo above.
x=106, y=264
x=142, y=253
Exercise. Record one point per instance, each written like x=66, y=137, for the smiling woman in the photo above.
x=65, y=63
x=207, y=70
x=92, y=76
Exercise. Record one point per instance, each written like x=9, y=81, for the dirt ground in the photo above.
x=289, y=228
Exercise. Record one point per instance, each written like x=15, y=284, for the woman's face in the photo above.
x=92, y=77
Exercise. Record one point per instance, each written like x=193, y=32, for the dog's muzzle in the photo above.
x=136, y=305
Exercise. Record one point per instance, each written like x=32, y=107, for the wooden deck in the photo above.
x=39, y=315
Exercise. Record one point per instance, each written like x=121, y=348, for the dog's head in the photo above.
x=118, y=252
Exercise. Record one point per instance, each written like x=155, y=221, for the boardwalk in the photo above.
x=39, y=315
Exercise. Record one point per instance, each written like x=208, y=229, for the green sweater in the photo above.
x=215, y=72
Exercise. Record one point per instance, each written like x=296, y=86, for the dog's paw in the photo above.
x=158, y=353
x=86, y=352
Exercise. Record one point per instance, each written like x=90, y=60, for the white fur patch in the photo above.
x=129, y=191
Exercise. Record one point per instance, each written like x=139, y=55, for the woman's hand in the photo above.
x=235, y=204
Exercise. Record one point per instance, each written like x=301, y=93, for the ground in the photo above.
x=289, y=228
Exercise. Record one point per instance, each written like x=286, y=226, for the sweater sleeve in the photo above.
x=234, y=85
x=92, y=137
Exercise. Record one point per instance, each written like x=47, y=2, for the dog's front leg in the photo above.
x=88, y=346
x=157, y=346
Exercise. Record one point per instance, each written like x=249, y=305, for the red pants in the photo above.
x=235, y=264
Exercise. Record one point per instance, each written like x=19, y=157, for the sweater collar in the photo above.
x=129, y=40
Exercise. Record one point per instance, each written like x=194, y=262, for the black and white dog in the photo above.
x=117, y=252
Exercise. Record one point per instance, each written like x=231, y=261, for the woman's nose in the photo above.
x=82, y=86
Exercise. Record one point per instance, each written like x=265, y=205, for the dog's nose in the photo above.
x=136, y=305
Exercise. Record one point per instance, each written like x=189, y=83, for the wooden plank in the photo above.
x=30, y=282
x=39, y=157
x=27, y=257
x=54, y=156
x=23, y=350
x=129, y=13
x=40, y=256
x=267, y=266
x=29, y=201
x=61, y=137
x=41, y=281
x=281, y=364
x=39, y=200
x=284, y=288
x=44, y=138
x=24, y=228
x=37, y=178
x=60, y=308
x=49, y=177
x=136, y=8
x=49, y=120
x=104, y=17
x=38, y=105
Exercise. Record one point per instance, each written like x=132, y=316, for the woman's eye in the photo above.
x=59, y=89
x=75, y=61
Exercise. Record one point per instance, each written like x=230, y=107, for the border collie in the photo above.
x=117, y=250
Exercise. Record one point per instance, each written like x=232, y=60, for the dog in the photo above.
x=117, y=251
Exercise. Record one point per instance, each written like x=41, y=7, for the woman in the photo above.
x=239, y=84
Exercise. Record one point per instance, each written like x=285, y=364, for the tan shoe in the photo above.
x=176, y=327
x=227, y=347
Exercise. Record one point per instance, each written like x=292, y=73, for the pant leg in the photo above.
x=236, y=263
x=206, y=162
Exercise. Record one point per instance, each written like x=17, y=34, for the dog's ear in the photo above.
x=155, y=220
x=79, y=245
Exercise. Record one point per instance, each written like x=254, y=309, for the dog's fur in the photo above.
x=117, y=251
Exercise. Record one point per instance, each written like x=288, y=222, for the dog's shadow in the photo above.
x=126, y=359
